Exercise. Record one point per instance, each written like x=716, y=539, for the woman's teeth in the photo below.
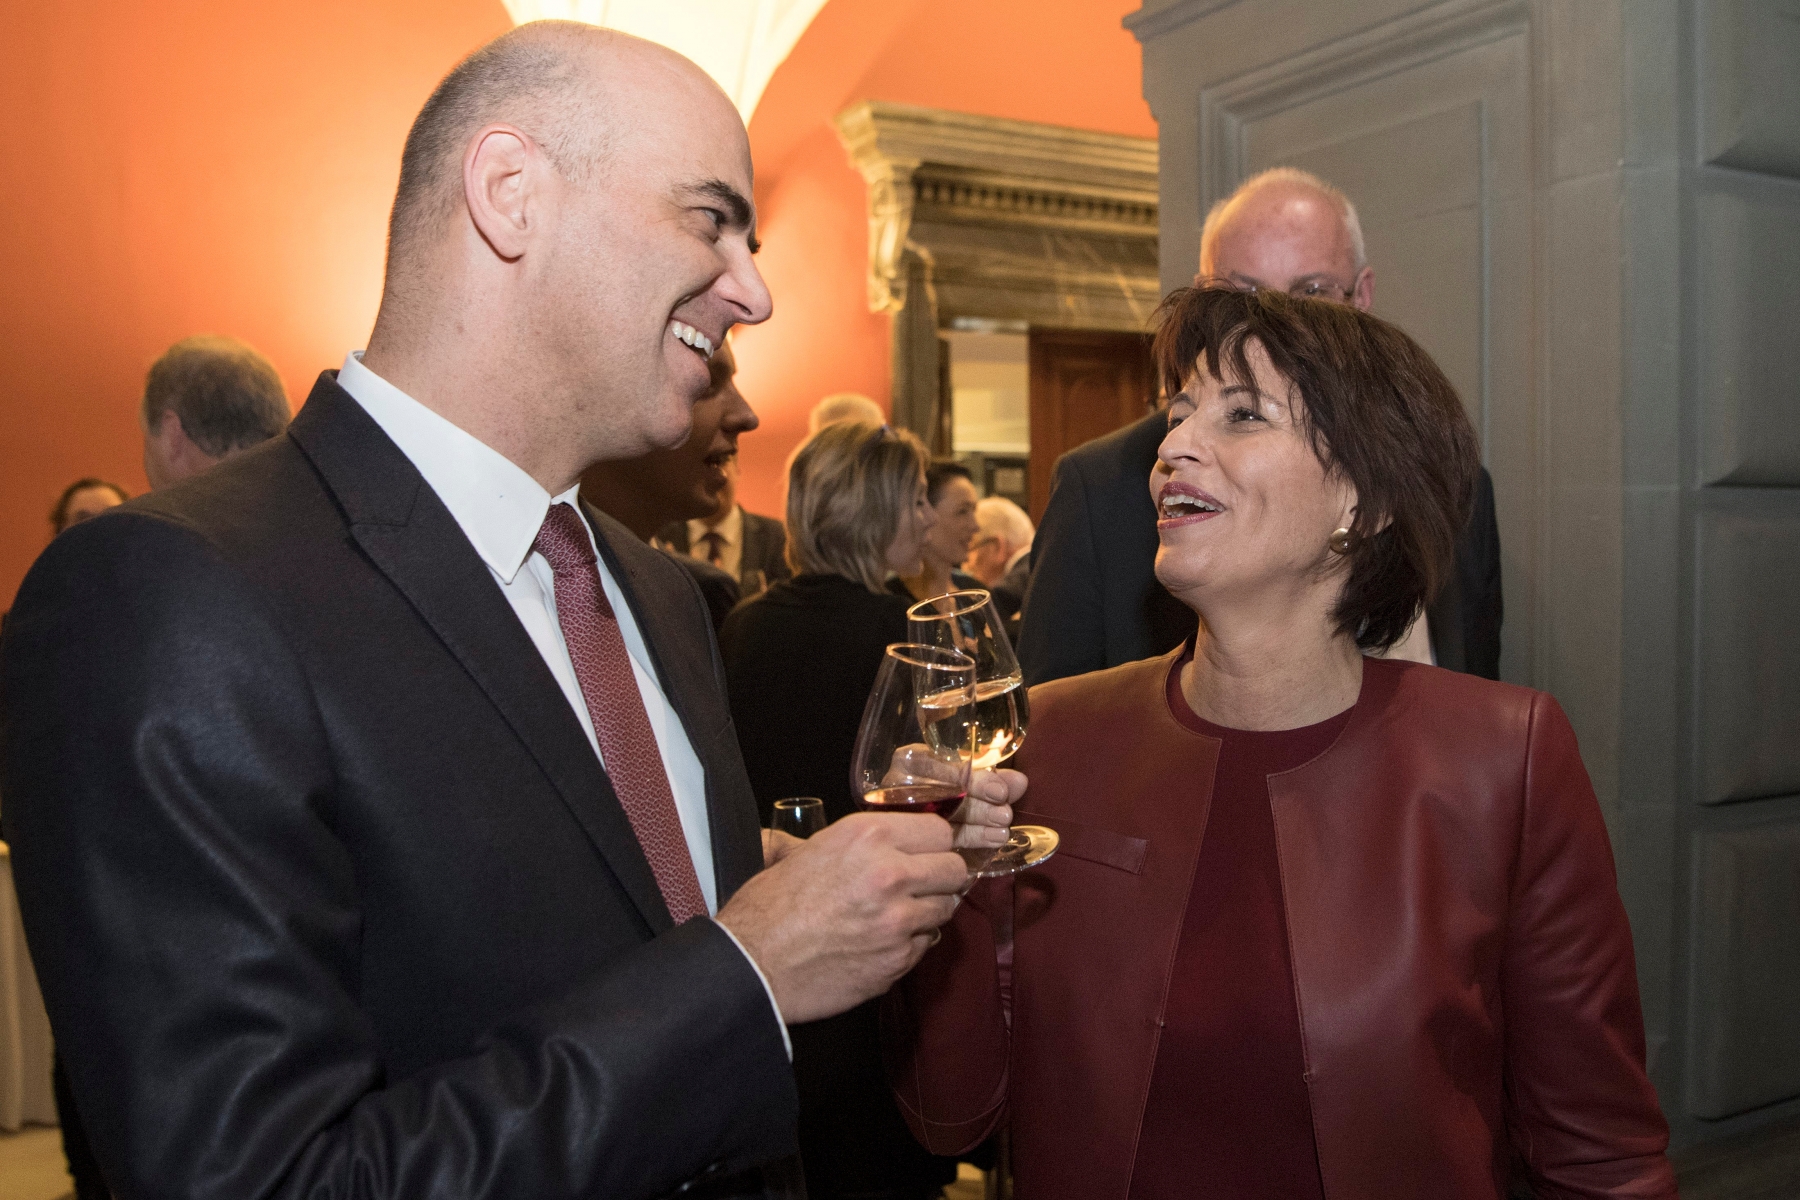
x=1175, y=502
x=693, y=337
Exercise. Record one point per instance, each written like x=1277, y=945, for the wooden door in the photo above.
x=1084, y=384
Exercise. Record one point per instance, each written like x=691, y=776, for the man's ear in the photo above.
x=1362, y=292
x=501, y=170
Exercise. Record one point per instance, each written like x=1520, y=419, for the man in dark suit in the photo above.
x=396, y=802
x=734, y=539
x=649, y=491
x=1094, y=600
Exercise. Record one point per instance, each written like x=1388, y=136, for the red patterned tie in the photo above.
x=622, y=727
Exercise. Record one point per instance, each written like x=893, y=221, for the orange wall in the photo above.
x=220, y=166
x=190, y=166
x=1066, y=62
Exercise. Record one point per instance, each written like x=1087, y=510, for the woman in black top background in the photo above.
x=800, y=660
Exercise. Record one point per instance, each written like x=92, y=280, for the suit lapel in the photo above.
x=412, y=539
x=681, y=654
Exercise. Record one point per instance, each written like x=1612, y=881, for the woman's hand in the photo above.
x=981, y=822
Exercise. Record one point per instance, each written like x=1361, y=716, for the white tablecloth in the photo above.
x=25, y=1094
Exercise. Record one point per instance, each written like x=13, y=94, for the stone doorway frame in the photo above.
x=982, y=221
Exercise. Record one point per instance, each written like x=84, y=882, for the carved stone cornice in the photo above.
x=1012, y=219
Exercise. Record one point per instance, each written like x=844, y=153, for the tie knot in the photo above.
x=713, y=537
x=563, y=539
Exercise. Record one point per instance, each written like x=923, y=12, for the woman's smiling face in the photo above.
x=1244, y=504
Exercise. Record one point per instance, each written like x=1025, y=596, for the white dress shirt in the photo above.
x=731, y=541
x=500, y=509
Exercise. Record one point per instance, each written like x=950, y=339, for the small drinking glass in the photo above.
x=799, y=816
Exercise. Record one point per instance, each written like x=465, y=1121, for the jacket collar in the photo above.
x=411, y=537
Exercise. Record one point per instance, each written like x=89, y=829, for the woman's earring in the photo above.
x=1341, y=541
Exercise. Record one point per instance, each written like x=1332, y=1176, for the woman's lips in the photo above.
x=1183, y=504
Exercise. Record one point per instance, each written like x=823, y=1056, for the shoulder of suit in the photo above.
x=1127, y=686
x=1122, y=450
x=1419, y=702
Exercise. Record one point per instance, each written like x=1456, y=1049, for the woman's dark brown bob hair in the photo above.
x=1378, y=412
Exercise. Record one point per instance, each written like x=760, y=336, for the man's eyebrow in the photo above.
x=738, y=212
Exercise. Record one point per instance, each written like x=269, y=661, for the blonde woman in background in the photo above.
x=800, y=660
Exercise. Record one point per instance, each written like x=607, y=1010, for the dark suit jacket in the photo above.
x=1094, y=600
x=285, y=772
x=765, y=547
x=719, y=590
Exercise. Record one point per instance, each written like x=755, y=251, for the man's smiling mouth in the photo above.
x=696, y=341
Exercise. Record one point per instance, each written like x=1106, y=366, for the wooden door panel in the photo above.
x=1084, y=384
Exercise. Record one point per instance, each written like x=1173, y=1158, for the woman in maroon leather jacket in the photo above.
x=1321, y=924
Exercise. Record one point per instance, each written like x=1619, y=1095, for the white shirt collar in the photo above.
x=730, y=530
x=498, y=505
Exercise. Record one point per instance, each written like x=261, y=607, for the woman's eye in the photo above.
x=1241, y=413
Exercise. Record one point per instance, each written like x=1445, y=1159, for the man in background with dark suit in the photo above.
x=1094, y=600
x=206, y=399
x=747, y=545
x=646, y=493
x=396, y=799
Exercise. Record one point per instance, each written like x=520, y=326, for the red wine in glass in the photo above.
x=939, y=799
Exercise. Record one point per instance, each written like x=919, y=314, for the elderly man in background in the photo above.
x=206, y=399
x=1094, y=600
x=395, y=796
x=1000, y=555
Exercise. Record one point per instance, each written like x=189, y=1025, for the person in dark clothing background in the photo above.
x=1094, y=601
x=650, y=491
x=799, y=663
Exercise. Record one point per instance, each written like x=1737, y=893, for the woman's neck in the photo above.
x=1251, y=672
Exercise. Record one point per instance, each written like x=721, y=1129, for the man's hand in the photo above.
x=837, y=918
x=777, y=845
x=982, y=820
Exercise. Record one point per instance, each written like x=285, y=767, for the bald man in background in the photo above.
x=1094, y=599
x=395, y=797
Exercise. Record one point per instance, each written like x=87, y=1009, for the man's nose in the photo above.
x=743, y=288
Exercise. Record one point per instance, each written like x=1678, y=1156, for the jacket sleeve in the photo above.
x=1581, y=1111
x=944, y=1032
x=1063, y=629
x=193, y=908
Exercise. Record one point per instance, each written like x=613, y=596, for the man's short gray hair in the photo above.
x=531, y=75
x=226, y=395
x=1294, y=175
x=998, y=517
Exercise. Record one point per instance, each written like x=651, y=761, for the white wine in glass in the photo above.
x=968, y=623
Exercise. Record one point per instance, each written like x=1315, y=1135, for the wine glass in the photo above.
x=968, y=623
x=800, y=816
x=914, y=747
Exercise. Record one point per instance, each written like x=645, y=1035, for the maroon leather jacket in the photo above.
x=1462, y=962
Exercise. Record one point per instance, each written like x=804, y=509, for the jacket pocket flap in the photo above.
x=1091, y=843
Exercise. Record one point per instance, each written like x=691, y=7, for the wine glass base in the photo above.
x=1027, y=846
